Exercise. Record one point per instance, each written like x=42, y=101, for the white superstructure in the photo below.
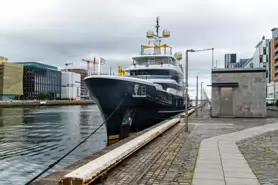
x=159, y=66
x=159, y=69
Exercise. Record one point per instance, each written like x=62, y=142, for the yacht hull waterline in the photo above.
x=142, y=104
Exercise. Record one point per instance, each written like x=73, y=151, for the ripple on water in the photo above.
x=33, y=138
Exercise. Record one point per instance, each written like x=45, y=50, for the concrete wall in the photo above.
x=249, y=98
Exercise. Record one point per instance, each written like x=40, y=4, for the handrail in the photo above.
x=152, y=76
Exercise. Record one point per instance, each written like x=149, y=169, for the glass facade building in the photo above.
x=230, y=60
x=40, y=78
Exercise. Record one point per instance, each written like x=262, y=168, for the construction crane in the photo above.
x=67, y=64
x=94, y=64
x=88, y=65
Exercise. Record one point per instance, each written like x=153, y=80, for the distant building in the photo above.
x=230, y=60
x=41, y=78
x=83, y=73
x=11, y=81
x=3, y=60
x=70, y=85
x=274, y=55
x=241, y=63
x=261, y=57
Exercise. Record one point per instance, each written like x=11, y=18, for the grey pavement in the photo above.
x=221, y=162
x=261, y=153
x=155, y=164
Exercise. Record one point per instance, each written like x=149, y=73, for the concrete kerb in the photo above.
x=94, y=169
x=230, y=156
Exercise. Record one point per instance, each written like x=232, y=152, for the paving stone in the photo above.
x=208, y=182
x=210, y=171
x=241, y=181
x=216, y=175
x=248, y=174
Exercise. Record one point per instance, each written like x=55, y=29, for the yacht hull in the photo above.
x=140, y=104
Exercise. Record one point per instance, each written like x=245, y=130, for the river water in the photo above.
x=33, y=138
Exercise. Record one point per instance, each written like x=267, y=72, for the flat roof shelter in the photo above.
x=238, y=92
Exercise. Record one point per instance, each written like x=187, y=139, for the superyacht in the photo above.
x=152, y=89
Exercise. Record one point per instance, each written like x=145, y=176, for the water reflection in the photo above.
x=32, y=138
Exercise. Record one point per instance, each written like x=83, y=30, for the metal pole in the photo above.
x=99, y=66
x=186, y=92
x=110, y=70
x=212, y=62
x=196, y=100
x=196, y=114
x=202, y=96
x=71, y=85
x=202, y=92
x=274, y=96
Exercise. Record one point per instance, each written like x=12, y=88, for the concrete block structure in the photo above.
x=238, y=92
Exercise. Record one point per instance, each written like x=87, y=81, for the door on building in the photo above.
x=226, y=102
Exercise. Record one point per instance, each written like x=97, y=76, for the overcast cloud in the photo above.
x=58, y=31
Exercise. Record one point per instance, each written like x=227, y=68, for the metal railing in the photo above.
x=152, y=76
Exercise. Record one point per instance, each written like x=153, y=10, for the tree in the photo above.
x=44, y=96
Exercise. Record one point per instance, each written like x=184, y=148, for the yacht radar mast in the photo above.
x=157, y=26
x=156, y=38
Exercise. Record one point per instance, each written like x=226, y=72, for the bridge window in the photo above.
x=154, y=61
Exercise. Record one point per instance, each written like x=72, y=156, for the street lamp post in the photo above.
x=212, y=62
x=186, y=89
x=202, y=95
x=197, y=99
x=186, y=81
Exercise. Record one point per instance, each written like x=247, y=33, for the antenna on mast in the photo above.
x=157, y=26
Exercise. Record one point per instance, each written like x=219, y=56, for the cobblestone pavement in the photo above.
x=261, y=153
x=131, y=170
x=159, y=163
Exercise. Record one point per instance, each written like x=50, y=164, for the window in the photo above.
x=264, y=50
x=154, y=61
x=261, y=58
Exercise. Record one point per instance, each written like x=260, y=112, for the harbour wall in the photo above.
x=14, y=103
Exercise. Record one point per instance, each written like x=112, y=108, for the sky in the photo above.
x=56, y=32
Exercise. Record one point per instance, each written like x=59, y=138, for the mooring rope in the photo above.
x=57, y=161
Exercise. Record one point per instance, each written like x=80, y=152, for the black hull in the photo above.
x=144, y=109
